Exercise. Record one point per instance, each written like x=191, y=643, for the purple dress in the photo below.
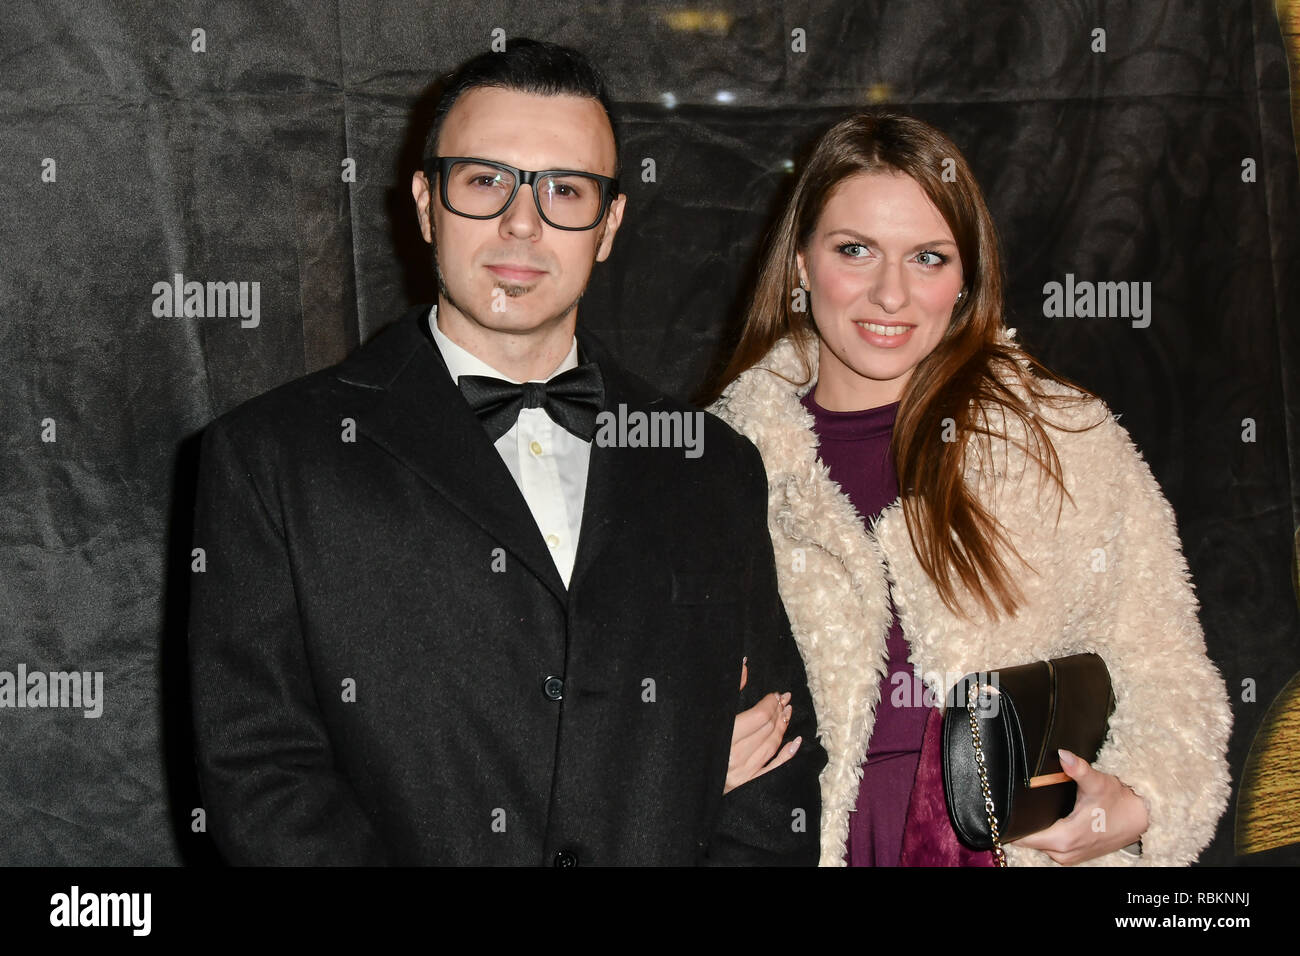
x=854, y=446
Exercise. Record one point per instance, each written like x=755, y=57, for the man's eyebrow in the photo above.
x=580, y=168
x=868, y=241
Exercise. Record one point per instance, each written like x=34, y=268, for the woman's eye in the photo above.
x=928, y=258
x=854, y=250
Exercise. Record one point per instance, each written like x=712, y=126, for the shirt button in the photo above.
x=566, y=858
x=535, y=447
x=553, y=540
x=554, y=688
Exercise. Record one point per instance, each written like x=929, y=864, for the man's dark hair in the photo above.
x=526, y=66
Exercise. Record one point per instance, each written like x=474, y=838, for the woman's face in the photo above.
x=884, y=276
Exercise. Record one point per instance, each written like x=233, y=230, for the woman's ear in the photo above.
x=801, y=269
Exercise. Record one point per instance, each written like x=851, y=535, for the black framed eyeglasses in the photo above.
x=483, y=189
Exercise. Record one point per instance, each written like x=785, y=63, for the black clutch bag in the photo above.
x=1002, y=778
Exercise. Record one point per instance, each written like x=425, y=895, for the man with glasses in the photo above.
x=466, y=631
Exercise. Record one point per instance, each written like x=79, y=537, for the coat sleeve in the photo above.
x=265, y=765
x=774, y=820
x=1169, y=732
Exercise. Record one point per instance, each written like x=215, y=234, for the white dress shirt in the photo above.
x=548, y=462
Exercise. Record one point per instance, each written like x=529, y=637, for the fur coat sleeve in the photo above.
x=1107, y=576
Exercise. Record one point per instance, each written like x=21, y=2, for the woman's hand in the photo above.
x=1107, y=815
x=756, y=737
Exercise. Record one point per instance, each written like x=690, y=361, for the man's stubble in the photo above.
x=511, y=291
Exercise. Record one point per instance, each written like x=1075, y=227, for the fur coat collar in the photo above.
x=1110, y=578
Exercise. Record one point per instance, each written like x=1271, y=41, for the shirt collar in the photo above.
x=463, y=362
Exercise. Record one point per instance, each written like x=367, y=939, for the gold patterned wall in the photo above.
x=1288, y=15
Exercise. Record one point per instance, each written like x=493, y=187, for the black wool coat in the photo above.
x=388, y=669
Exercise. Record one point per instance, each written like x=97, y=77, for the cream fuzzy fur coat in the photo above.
x=1112, y=579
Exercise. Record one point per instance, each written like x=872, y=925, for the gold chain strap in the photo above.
x=972, y=696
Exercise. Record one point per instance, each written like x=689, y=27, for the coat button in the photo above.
x=566, y=858
x=554, y=688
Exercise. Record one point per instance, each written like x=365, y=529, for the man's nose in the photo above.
x=521, y=219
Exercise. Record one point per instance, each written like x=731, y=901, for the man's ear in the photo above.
x=613, y=219
x=423, y=194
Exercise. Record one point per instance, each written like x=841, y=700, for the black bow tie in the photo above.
x=572, y=399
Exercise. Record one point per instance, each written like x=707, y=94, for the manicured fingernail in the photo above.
x=794, y=745
x=788, y=711
x=1067, y=759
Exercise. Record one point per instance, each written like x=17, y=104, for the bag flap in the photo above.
x=1028, y=695
x=1065, y=703
x=1084, y=703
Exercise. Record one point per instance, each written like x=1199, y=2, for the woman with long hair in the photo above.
x=941, y=504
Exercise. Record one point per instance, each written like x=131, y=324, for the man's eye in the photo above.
x=485, y=180
x=564, y=190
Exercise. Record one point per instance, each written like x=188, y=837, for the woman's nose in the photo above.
x=889, y=287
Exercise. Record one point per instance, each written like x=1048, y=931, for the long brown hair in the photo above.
x=955, y=538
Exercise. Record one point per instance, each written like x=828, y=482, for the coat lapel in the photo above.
x=831, y=571
x=613, y=473
x=423, y=421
